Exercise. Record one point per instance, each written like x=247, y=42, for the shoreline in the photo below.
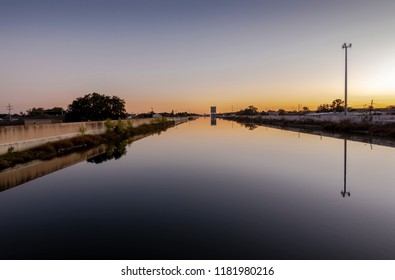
x=116, y=133
x=369, y=133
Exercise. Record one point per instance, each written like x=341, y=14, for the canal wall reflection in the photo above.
x=25, y=173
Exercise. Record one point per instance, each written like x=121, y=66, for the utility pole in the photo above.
x=345, y=47
x=9, y=108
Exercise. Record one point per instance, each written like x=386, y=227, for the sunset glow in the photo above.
x=188, y=55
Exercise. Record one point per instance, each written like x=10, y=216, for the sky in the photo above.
x=189, y=55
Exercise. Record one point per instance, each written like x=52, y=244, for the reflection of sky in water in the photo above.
x=202, y=191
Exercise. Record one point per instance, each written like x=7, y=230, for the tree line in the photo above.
x=337, y=105
x=94, y=107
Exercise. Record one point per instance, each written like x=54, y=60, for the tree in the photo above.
x=323, y=108
x=337, y=105
x=55, y=111
x=281, y=112
x=252, y=110
x=33, y=112
x=249, y=111
x=96, y=107
x=36, y=112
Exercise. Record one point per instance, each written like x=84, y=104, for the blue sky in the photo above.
x=188, y=55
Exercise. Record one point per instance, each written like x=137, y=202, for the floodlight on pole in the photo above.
x=345, y=47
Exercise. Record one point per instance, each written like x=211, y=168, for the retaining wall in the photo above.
x=22, y=137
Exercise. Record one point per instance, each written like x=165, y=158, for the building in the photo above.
x=213, y=110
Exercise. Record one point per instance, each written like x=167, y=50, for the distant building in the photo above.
x=213, y=110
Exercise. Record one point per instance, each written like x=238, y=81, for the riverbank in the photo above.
x=373, y=132
x=116, y=132
x=24, y=137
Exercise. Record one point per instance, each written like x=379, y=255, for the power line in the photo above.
x=9, y=108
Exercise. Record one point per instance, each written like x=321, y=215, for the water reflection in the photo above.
x=24, y=173
x=202, y=192
x=250, y=126
x=30, y=171
x=213, y=121
x=112, y=152
x=344, y=192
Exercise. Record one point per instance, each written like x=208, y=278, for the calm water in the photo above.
x=206, y=190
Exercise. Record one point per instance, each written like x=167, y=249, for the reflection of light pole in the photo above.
x=344, y=192
x=345, y=47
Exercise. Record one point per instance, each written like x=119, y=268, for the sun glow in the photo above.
x=383, y=81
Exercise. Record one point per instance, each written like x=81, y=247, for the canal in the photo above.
x=206, y=190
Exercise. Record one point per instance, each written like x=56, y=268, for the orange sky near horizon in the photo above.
x=190, y=55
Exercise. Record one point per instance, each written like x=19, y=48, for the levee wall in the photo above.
x=24, y=137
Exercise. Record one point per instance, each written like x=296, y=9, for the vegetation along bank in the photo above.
x=116, y=132
x=346, y=126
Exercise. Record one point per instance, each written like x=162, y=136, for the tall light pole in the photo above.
x=345, y=47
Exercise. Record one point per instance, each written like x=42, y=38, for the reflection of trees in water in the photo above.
x=112, y=152
x=250, y=126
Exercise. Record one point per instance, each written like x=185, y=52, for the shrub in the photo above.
x=109, y=124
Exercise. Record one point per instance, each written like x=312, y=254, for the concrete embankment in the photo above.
x=350, y=122
x=378, y=130
x=24, y=137
x=329, y=117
